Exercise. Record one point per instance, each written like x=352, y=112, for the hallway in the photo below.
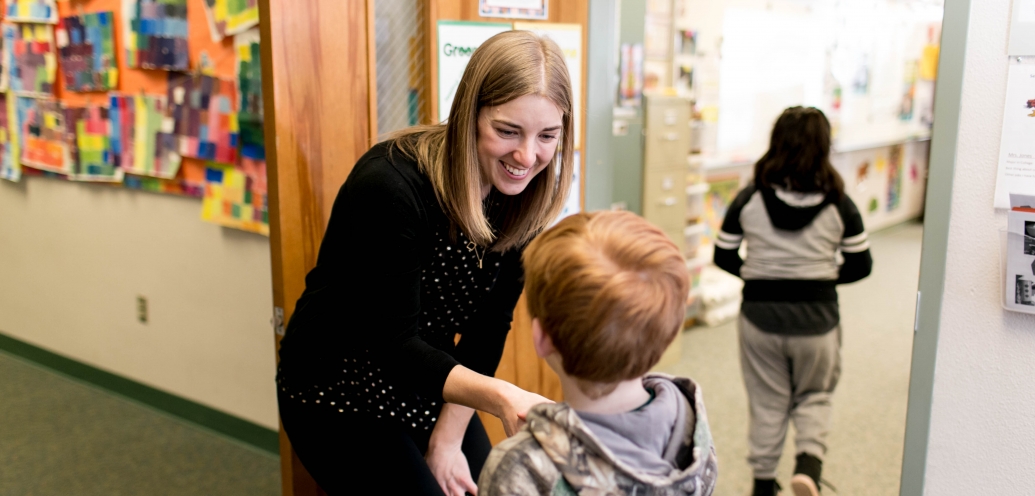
x=865, y=444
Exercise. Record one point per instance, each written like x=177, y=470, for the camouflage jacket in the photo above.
x=556, y=454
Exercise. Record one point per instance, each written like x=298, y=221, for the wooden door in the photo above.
x=317, y=90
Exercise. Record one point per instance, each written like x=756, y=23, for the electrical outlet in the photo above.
x=142, y=309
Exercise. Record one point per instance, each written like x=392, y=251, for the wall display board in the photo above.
x=230, y=17
x=134, y=134
x=1017, y=149
x=29, y=59
x=87, y=47
x=569, y=38
x=457, y=40
x=31, y=11
x=156, y=34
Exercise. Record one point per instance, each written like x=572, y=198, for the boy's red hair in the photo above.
x=609, y=289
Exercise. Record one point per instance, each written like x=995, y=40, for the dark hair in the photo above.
x=799, y=154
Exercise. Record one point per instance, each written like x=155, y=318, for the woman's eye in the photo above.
x=506, y=132
x=547, y=137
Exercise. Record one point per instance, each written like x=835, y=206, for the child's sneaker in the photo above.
x=765, y=487
x=806, y=475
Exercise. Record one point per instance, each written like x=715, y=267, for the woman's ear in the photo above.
x=542, y=342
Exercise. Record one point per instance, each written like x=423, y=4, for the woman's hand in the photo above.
x=515, y=407
x=449, y=466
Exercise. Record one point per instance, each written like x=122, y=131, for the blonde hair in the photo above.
x=610, y=290
x=507, y=66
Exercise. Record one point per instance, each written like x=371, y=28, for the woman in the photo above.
x=795, y=218
x=424, y=245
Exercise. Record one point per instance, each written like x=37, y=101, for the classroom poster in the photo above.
x=249, y=91
x=569, y=38
x=515, y=9
x=42, y=11
x=94, y=160
x=457, y=40
x=29, y=59
x=230, y=17
x=47, y=143
x=1016, y=172
x=237, y=197
x=140, y=143
x=155, y=33
x=204, y=121
x=10, y=156
x=87, y=47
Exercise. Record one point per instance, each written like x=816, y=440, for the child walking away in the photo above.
x=795, y=218
x=606, y=291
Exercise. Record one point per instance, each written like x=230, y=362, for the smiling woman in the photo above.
x=424, y=243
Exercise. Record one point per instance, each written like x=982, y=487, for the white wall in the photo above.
x=982, y=433
x=74, y=257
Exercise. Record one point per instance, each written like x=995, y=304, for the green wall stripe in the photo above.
x=228, y=425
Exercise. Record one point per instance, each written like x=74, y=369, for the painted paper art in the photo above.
x=204, y=121
x=29, y=61
x=229, y=17
x=156, y=34
x=190, y=181
x=140, y=142
x=249, y=90
x=94, y=159
x=87, y=47
x=10, y=164
x=43, y=11
x=236, y=197
x=48, y=143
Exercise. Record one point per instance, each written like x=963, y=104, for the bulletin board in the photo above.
x=155, y=95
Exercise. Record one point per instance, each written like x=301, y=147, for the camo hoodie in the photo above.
x=556, y=453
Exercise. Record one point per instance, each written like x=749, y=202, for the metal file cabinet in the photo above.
x=666, y=149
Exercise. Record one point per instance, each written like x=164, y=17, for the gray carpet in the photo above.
x=865, y=445
x=62, y=437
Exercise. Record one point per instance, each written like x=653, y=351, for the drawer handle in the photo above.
x=671, y=136
x=670, y=201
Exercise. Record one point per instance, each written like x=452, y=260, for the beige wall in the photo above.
x=982, y=433
x=74, y=257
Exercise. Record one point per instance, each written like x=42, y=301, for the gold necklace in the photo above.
x=474, y=247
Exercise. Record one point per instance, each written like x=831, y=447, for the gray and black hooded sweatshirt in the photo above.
x=791, y=269
x=663, y=448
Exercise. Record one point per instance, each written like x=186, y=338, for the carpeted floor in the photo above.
x=865, y=445
x=62, y=437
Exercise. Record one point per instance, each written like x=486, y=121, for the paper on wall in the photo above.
x=1019, y=261
x=1022, y=30
x=1017, y=147
x=457, y=40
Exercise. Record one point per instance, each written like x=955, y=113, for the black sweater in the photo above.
x=389, y=293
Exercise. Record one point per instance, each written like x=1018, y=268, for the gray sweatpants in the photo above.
x=788, y=378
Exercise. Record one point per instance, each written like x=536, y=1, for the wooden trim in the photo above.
x=431, y=59
x=371, y=73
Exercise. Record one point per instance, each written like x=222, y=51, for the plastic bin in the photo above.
x=695, y=201
x=693, y=234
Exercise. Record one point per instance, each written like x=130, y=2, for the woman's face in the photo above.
x=516, y=141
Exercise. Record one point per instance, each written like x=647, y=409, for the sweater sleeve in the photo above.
x=481, y=346
x=855, y=244
x=727, y=242
x=377, y=227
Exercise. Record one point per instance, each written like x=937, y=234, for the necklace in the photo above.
x=474, y=247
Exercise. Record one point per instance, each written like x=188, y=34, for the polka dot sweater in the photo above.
x=375, y=331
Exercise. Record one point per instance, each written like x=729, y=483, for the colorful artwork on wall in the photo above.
x=139, y=141
x=10, y=163
x=156, y=34
x=47, y=142
x=29, y=60
x=94, y=160
x=249, y=90
x=43, y=11
x=230, y=17
x=204, y=121
x=236, y=197
x=894, y=178
x=87, y=46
